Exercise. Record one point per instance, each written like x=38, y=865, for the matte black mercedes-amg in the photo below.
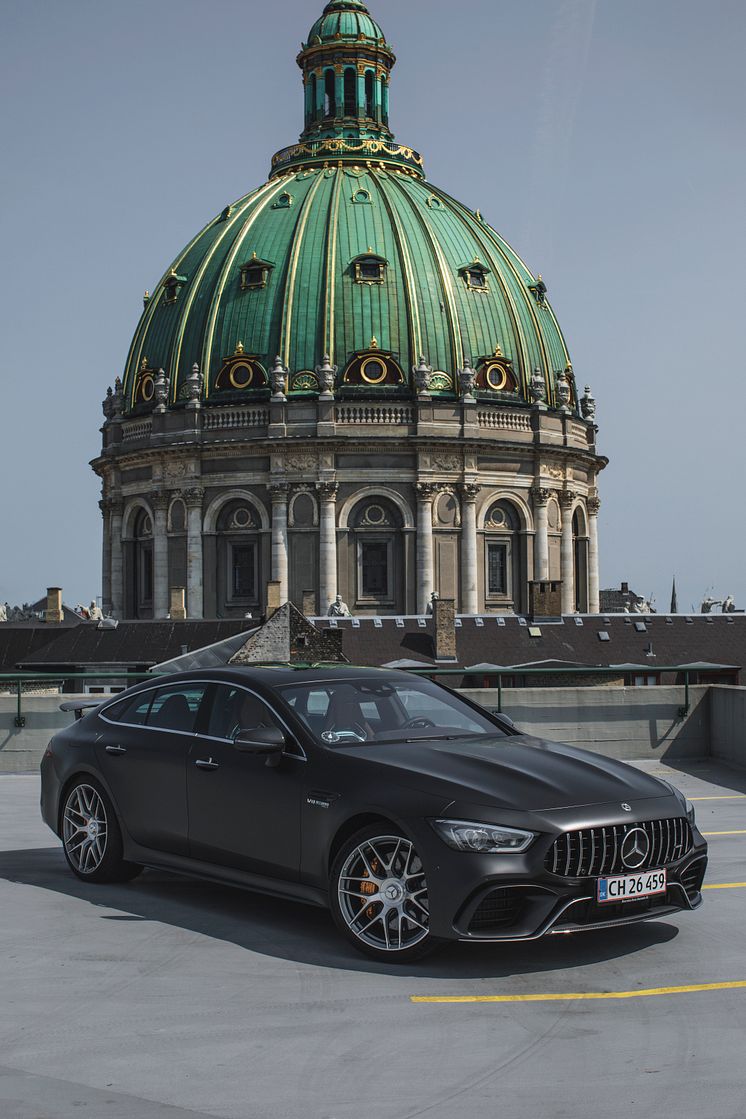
x=415, y=815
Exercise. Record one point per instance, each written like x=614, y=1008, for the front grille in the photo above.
x=499, y=909
x=595, y=851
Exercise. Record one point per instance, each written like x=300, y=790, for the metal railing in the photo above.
x=18, y=679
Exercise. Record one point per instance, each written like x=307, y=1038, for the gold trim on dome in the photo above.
x=331, y=267
x=333, y=144
x=289, y=296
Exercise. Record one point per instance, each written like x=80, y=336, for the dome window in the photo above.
x=174, y=284
x=241, y=372
x=474, y=275
x=284, y=202
x=373, y=368
x=539, y=290
x=362, y=197
x=495, y=373
x=255, y=273
x=370, y=268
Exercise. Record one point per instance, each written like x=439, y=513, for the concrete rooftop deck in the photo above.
x=175, y=999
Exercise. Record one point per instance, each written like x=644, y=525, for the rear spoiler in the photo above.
x=81, y=705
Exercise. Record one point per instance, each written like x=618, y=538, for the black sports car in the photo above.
x=415, y=815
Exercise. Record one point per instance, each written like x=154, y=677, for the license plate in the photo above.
x=630, y=886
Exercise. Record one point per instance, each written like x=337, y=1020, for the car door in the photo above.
x=143, y=758
x=242, y=812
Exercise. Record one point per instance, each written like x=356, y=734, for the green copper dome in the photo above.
x=348, y=251
x=344, y=19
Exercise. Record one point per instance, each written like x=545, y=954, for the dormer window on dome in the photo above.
x=369, y=268
x=255, y=273
x=474, y=275
x=174, y=284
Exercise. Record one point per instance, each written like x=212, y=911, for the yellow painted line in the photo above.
x=557, y=997
x=725, y=886
x=730, y=796
x=742, y=832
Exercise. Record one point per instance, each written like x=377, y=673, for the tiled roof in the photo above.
x=132, y=643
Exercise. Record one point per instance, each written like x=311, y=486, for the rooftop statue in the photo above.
x=339, y=609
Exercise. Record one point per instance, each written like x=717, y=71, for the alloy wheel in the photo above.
x=85, y=828
x=382, y=894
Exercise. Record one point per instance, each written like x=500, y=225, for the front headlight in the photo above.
x=689, y=812
x=489, y=839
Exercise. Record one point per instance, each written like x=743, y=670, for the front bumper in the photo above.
x=477, y=897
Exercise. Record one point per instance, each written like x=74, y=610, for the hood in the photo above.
x=521, y=772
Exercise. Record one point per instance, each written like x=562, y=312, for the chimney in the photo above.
x=53, y=612
x=178, y=607
x=625, y=588
x=545, y=598
x=309, y=604
x=274, y=601
x=444, y=620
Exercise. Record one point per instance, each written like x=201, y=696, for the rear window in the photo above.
x=133, y=709
x=176, y=707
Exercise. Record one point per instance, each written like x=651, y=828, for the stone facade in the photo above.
x=449, y=502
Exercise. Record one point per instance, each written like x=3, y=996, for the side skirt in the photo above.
x=227, y=876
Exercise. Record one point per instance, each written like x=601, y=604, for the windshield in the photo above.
x=345, y=712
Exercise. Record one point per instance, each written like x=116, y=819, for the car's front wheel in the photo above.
x=379, y=896
x=91, y=837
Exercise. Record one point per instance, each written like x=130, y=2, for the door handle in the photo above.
x=116, y=749
x=206, y=763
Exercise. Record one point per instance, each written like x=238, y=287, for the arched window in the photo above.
x=238, y=557
x=330, y=94
x=314, y=98
x=376, y=524
x=369, y=105
x=350, y=91
x=580, y=560
x=143, y=566
x=502, y=560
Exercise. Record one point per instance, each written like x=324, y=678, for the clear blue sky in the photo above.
x=603, y=139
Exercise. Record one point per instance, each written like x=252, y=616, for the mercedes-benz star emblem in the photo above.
x=626, y=807
x=635, y=848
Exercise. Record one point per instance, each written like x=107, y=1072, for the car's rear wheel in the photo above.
x=379, y=896
x=91, y=837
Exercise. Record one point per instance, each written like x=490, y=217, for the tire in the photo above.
x=395, y=928
x=91, y=836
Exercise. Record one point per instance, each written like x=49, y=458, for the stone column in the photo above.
x=105, y=507
x=279, y=494
x=117, y=583
x=567, y=553
x=469, y=565
x=160, y=555
x=425, y=495
x=541, y=533
x=327, y=544
x=339, y=89
x=194, y=587
x=594, y=601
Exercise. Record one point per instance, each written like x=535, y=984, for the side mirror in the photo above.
x=266, y=742
x=505, y=719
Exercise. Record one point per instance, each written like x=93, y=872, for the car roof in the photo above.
x=278, y=675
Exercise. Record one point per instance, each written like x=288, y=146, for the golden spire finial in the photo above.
x=239, y=348
x=374, y=343
x=498, y=351
x=144, y=364
x=254, y=256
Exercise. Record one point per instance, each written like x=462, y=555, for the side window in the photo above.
x=133, y=709
x=176, y=707
x=234, y=709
